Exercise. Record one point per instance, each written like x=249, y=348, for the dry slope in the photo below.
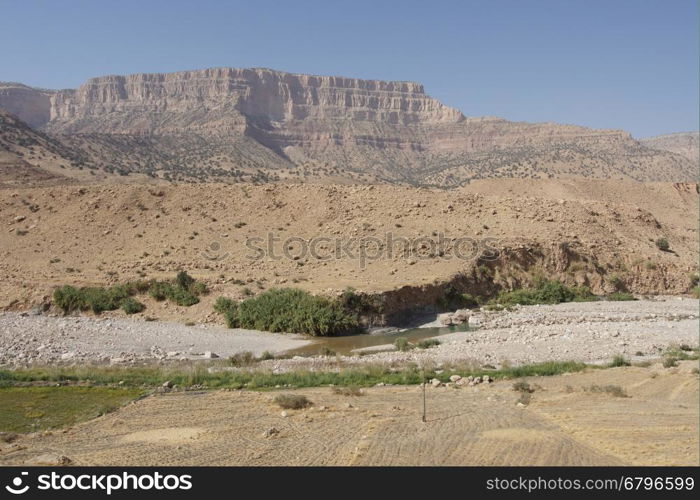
x=599, y=233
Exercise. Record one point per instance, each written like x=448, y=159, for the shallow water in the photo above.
x=345, y=344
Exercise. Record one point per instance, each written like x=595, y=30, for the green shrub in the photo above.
x=99, y=299
x=359, y=303
x=244, y=358
x=469, y=300
x=182, y=296
x=159, y=290
x=544, y=292
x=402, y=344
x=670, y=362
x=662, y=244
x=96, y=299
x=289, y=310
x=223, y=304
x=583, y=294
x=184, y=280
x=132, y=306
x=619, y=360
x=327, y=351
x=68, y=299
x=620, y=296
x=428, y=343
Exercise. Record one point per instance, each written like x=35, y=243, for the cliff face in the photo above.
x=273, y=125
x=32, y=106
x=210, y=99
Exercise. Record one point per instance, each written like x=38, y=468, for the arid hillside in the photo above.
x=259, y=125
x=407, y=242
x=682, y=143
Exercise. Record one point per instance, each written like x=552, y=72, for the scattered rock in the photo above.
x=49, y=459
x=271, y=432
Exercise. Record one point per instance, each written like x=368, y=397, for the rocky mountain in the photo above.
x=682, y=143
x=261, y=125
x=23, y=150
x=32, y=105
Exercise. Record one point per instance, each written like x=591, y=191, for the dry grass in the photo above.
x=292, y=401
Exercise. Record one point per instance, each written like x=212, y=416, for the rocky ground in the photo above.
x=584, y=232
x=27, y=339
x=589, y=332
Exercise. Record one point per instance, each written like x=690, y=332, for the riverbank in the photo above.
x=591, y=332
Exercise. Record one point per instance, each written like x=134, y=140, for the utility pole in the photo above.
x=423, y=377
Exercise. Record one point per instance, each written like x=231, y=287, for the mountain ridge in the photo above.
x=260, y=124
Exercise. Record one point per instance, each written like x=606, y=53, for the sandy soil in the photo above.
x=98, y=235
x=482, y=425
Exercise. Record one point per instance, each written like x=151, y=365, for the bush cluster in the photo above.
x=545, y=292
x=183, y=290
x=288, y=310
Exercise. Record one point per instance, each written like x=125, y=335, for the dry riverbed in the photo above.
x=590, y=332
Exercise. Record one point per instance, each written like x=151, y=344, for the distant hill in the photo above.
x=682, y=143
x=229, y=124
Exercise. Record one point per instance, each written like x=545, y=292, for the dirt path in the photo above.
x=563, y=425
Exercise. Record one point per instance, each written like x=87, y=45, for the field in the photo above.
x=650, y=417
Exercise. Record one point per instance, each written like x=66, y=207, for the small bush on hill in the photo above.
x=132, y=306
x=184, y=291
x=662, y=244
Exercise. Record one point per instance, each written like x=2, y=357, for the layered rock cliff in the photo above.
x=229, y=123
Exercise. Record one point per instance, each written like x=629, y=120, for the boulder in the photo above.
x=461, y=316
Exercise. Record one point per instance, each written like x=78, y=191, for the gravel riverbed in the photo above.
x=590, y=332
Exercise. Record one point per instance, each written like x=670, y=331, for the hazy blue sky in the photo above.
x=630, y=64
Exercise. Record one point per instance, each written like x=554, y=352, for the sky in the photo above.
x=629, y=64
